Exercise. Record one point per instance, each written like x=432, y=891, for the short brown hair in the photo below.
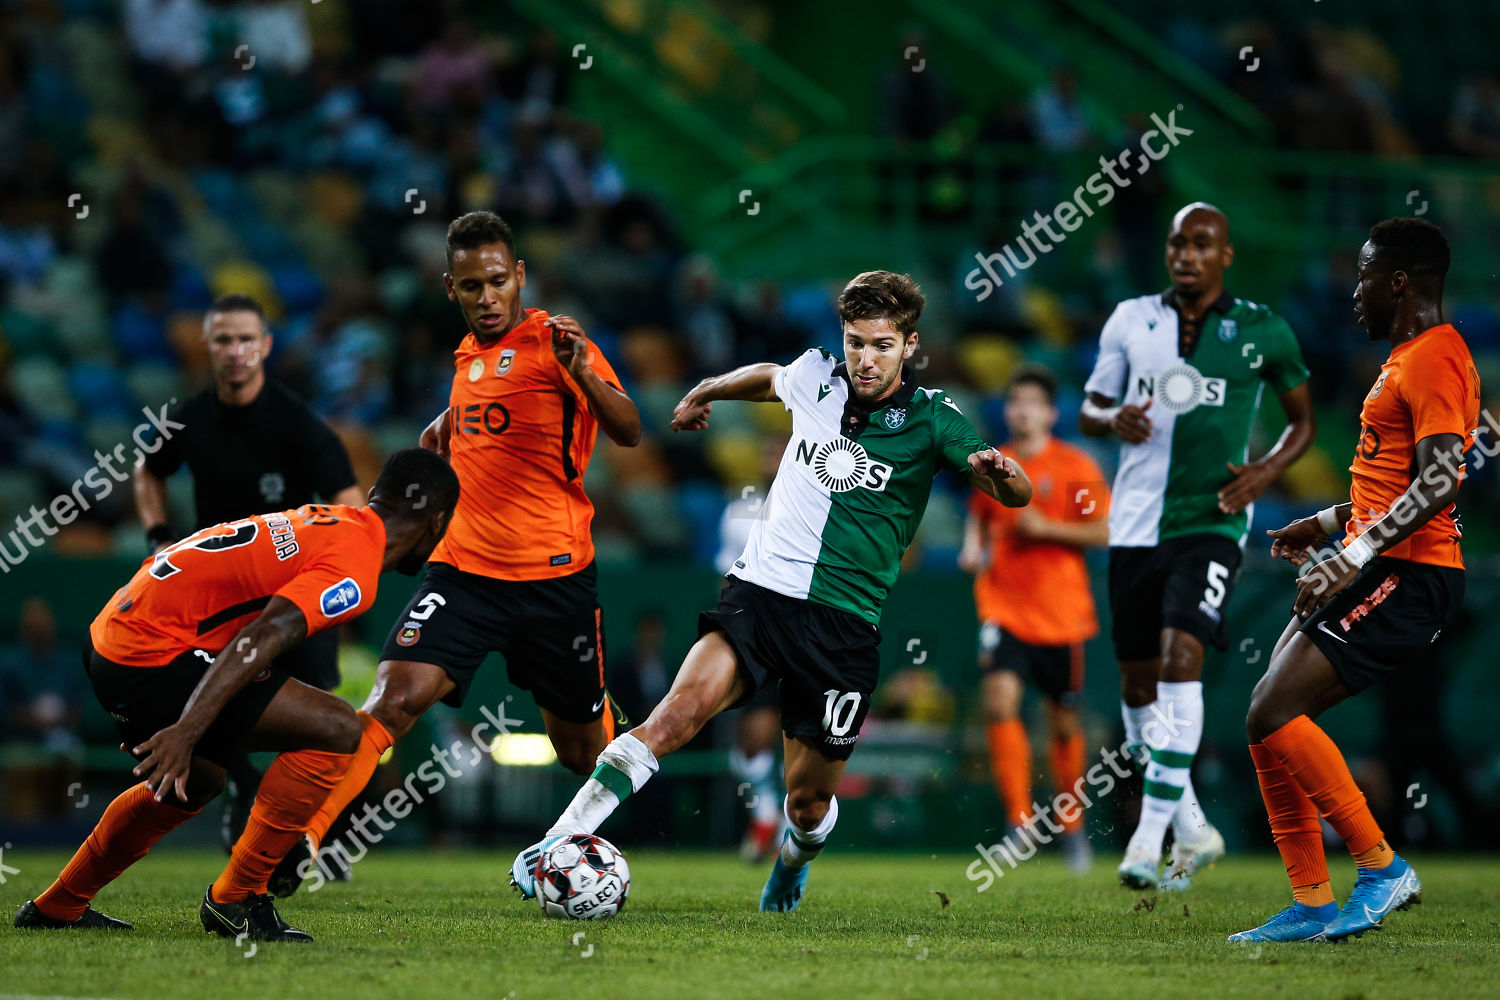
x=882, y=295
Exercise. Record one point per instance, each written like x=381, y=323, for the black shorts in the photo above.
x=146, y=700
x=1182, y=583
x=1389, y=617
x=314, y=660
x=549, y=631
x=1056, y=671
x=825, y=661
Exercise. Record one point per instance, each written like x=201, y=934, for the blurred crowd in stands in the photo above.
x=144, y=169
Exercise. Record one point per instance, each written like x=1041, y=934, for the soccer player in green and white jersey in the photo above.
x=803, y=602
x=1179, y=379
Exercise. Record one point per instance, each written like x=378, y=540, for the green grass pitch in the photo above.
x=438, y=925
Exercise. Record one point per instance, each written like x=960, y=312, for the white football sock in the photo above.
x=1135, y=717
x=1189, y=824
x=801, y=846
x=1173, y=734
x=624, y=767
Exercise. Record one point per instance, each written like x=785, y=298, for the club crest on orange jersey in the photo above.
x=476, y=369
x=503, y=365
x=1379, y=384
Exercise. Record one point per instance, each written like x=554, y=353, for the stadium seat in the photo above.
x=42, y=388
x=27, y=333
x=140, y=335
x=101, y=389
x=988, y=360
x=189, y=290
x=237, y=275
x=103, y=433
x=153, y=384
x=19, y=489
x=654, y=514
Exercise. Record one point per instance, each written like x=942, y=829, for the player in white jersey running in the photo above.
x=803, y=602
x=1178, y=380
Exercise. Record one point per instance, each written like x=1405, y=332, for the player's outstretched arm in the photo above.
x=614, y=410
x=1434, y=487
x=167, y=757
x=753, y=383
x=1101, y=418
x=1000, y=477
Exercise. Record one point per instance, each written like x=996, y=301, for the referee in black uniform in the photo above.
x=252, y=447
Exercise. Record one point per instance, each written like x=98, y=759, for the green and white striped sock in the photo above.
x=1173, y=735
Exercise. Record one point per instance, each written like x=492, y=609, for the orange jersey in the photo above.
x=1428, y=386
x=522, y=435
x=1039, y=591
x=199, y=592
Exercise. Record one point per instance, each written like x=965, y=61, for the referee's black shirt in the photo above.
x=273, y=454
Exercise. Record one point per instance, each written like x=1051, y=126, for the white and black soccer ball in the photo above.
x=582, y=877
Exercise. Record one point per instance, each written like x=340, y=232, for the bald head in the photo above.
x=1208, y=213
x=1198, y=251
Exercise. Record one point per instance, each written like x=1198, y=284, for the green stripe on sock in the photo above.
x=1171, y=758
x=1162, y=790
x=616, y=780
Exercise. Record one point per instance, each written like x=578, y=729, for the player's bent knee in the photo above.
x=344, y=733
x=401, y=696
x=806, y=809
x=1264, y=717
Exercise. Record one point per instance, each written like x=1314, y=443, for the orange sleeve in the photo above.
x=337, y=585
x=1437, y=394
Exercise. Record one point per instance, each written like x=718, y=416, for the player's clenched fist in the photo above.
x=1131, y=423
x=569, y=343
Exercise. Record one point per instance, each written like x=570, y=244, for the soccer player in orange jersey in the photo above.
x=516, y=572
x=1381, y=603
x=1031, y=589
x=182, y=657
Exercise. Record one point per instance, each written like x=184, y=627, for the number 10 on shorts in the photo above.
x=839, y=710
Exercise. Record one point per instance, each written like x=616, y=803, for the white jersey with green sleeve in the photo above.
x=852, y=486
x=1202, y=409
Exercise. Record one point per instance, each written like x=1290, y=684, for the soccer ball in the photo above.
x=582, y=877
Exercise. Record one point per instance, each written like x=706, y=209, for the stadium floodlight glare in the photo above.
x=523, y=750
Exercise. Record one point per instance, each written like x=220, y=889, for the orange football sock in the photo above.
x=1294, y=827
x=608, y=718
x=1375, y=857
x=351, y=774
x=1065, y=757
x=1010, y=763
x=1311, y=758
x=130, y=826
x=293, y=788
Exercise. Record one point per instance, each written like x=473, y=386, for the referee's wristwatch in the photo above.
x=159, y=534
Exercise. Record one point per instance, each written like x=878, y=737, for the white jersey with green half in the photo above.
x=851, y=488
x=1202, y=410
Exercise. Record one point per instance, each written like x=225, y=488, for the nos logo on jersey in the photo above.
x=1181, y=388
x=339, y=598
x=842, y=465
